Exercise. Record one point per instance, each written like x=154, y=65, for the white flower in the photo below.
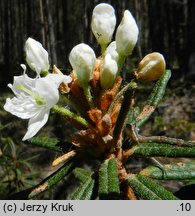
x=103, y=23
x=34, y=99
x=111, y=49
x=126, y=34
x=82, y=58
x=36, y=56
x=108, y=72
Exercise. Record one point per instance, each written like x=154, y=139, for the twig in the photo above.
x=120, y=123
x=130, y=193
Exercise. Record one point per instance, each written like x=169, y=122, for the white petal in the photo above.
x=47, y=89
x=21, y=106
x=23, y=80
x=58, y=78
x=36, y=123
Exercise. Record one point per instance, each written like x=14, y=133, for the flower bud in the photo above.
x=82, y=58
x=111, y=49
x=103, y=23
x=36, y=56
x=151, y=67
x=108, y=72
x=126, y=34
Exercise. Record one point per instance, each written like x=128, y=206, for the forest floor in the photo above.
x=175, y=117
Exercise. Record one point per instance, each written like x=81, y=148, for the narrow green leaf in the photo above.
x=156, y=95
x=173, y=171
x=82, y=174
x=84, y=192
x=140, y=189
x=70, y=115
x=133, y=114
x=166, y=140
x=159, y=89
x=157, y=189
x=60, y=174
x=45, y=142
x=146, y=189
x=141, y=122
x=162, y=149
x=54, y=178
x=108, y=179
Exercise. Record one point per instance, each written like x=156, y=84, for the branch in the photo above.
x=123, y=113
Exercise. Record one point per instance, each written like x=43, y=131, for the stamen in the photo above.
x=24, y=68
x=21, y=87
x=39, y=100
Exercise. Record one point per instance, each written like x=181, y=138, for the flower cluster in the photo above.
x=82, y=57
x=92, y=88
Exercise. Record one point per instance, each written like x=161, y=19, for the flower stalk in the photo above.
x=87, y=93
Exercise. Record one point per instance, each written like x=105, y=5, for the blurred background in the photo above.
x=166, y=26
